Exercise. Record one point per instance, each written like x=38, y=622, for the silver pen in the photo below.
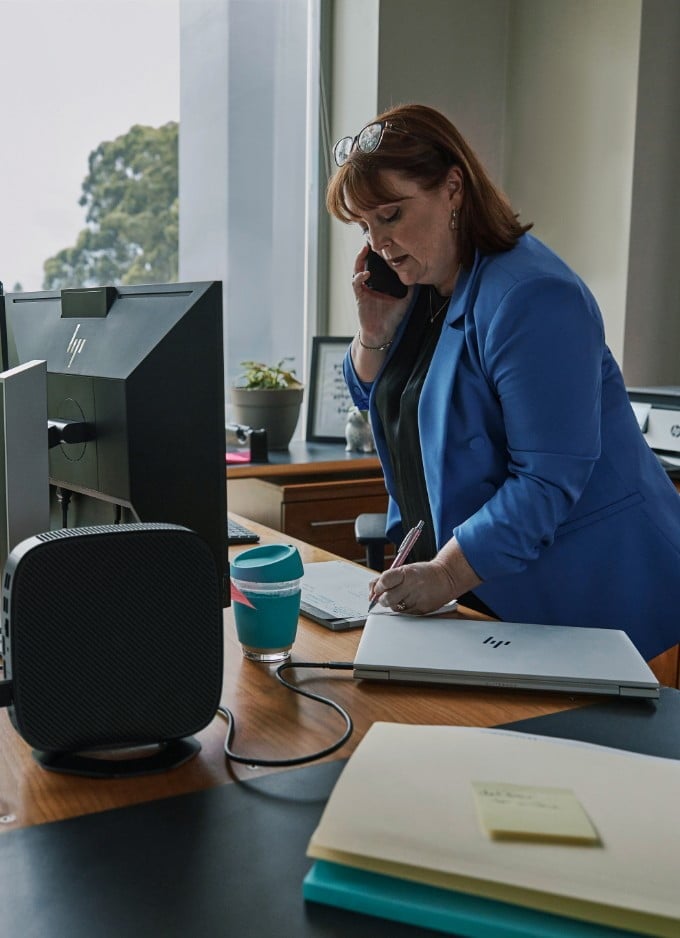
x=403, y=551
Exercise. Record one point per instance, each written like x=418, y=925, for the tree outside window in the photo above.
x=130, y=195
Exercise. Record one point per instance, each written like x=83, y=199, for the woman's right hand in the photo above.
x=379, y=313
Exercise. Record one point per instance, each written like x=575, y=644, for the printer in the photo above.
x=658, y=414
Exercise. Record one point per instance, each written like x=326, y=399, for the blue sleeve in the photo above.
x=359, y=390
x=542, y=356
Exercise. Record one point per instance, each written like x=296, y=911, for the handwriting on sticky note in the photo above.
x=526, y=812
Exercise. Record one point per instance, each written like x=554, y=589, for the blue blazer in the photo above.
x=533, y=457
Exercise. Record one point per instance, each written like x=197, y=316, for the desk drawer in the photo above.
x=330, y=524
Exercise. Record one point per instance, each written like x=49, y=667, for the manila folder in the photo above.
x=405, y=806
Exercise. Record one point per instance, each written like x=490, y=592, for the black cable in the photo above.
x=64, y=498
x=299, y=760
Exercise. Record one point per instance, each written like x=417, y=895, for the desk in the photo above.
x=229, y=859
x=312, y=491
x=270, y=722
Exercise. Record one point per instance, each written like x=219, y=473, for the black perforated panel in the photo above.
x=115, y=637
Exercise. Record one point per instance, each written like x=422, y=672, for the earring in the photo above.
x=454, y=219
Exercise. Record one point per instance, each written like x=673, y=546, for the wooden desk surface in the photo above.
x=271, y=722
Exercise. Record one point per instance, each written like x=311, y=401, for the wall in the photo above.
x=464, y=45
x=652, y=327
x=572, y=106
x=396, y=51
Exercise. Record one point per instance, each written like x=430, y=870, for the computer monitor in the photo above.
x=135, y=402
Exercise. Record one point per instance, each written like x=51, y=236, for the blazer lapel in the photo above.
x=435, y=399
x=433, y=417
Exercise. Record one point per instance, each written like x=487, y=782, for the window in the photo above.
x=74, y=74
x=79, y=73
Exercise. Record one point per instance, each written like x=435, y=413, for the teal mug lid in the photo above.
x=268, y=563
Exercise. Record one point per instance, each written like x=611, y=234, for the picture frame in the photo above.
x=329, y=400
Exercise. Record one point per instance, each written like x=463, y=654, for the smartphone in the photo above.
x=383, y=278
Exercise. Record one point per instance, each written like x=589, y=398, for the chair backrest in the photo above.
x=369, y=530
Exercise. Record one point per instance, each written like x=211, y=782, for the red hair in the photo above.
x=423, y=146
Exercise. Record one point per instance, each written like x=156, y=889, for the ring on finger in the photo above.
x=401, y=606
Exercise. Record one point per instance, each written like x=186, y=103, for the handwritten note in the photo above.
x=525, y=812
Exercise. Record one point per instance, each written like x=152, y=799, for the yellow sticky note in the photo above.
x=526, y=812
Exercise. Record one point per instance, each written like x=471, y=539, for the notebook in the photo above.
x=335, y=594
x=502, y=654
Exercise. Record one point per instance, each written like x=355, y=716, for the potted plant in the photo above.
x=268, y=396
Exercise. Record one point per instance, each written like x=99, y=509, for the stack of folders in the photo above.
x=481, y=832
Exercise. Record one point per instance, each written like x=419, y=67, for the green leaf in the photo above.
x=260, y=375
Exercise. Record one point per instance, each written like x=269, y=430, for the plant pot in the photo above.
x=275, y=409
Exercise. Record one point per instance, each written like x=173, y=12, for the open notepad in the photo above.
x=405, y=808
x=335, y=593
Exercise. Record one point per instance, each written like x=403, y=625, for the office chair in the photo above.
x=369, y=530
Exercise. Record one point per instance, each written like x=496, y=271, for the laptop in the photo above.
x=571, y=659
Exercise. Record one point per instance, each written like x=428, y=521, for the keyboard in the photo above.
x=240, y=534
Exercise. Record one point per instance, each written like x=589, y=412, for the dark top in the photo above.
x=397, y=395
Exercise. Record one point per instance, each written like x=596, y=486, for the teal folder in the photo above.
x=454, y=913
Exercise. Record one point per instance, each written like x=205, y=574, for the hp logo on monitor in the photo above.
x=75, y=345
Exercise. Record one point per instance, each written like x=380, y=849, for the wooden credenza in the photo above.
x=319, y=511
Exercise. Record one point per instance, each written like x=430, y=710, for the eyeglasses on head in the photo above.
x=367, y=140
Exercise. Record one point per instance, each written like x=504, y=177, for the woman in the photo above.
x=500, y=416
